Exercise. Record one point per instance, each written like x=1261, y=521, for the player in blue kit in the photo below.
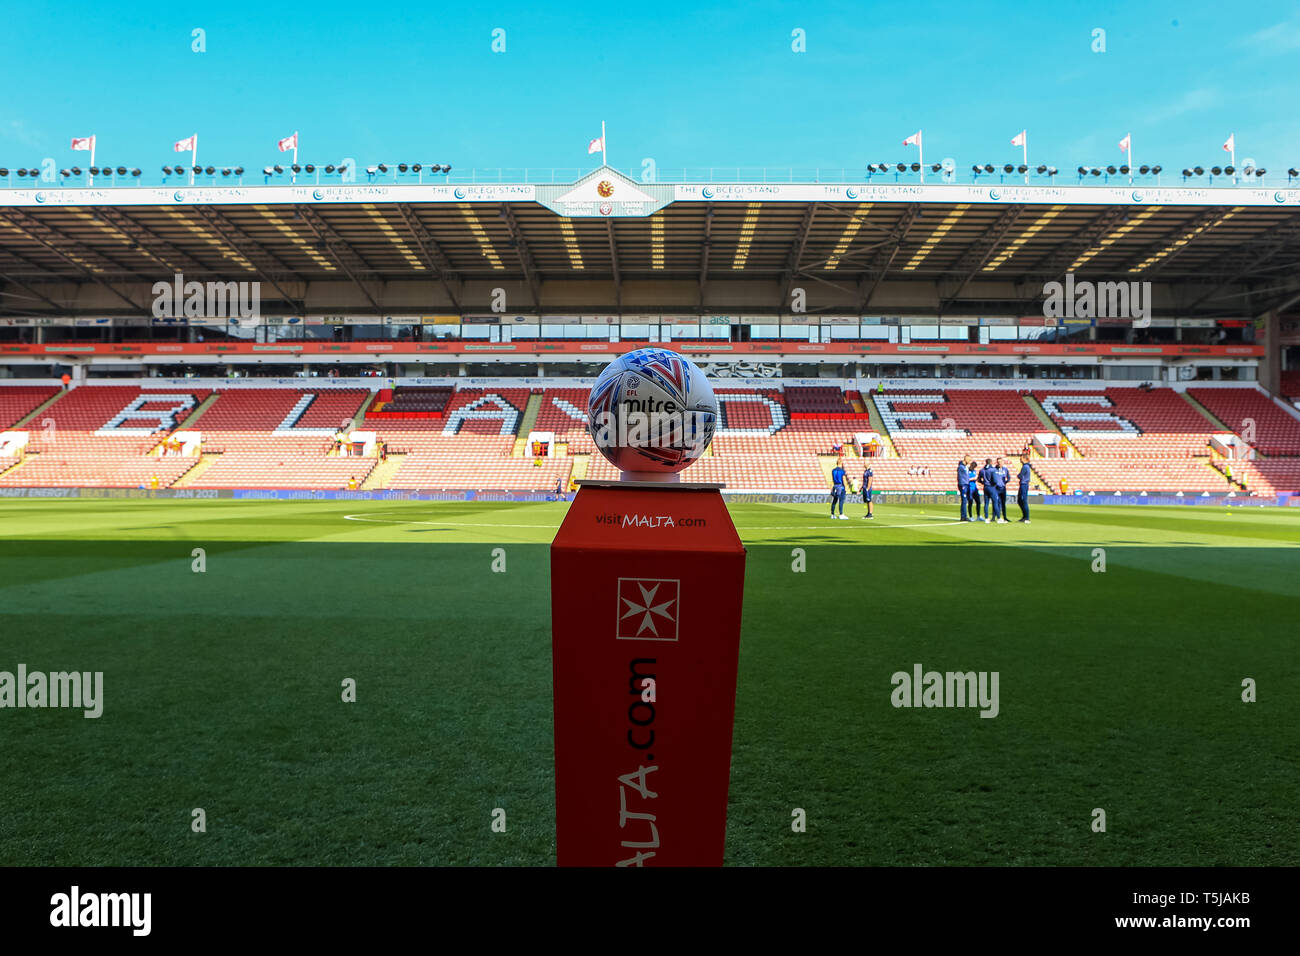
x=973, y=489
x=837, y=489
x=1022, y=493
x=868, y=479
x=990, y=493
x=963, y=485
x=1001, y=477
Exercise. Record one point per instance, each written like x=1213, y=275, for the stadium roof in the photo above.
x=609, y=243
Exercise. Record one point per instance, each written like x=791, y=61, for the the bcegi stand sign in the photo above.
x=647, y=581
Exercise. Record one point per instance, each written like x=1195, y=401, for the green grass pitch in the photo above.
x=1119, y=690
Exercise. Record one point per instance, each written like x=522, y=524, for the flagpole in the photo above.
x=295, y=154
x=604, y=161
x=1024, y=145
x=920, y=155
x=1233, y=156
x=1131, y=167
x=90, y=179
x=194, y=156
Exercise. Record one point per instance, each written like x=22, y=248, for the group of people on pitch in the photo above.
x=990, y=481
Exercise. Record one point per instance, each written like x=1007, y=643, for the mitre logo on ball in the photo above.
x=652, y=411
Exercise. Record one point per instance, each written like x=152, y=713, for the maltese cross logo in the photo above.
x=648, y=609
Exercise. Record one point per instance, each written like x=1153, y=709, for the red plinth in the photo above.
x=647, y=582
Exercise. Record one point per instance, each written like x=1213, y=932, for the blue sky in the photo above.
x=710, y=85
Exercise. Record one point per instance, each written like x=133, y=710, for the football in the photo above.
x=652, y=411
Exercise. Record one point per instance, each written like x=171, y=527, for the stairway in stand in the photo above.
x=383, y=473
x=527, y=421
x=205, y=462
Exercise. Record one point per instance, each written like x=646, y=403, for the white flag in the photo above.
x=1019, y=139
x=913, y=140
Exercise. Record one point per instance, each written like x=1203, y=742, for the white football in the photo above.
x=652, y=411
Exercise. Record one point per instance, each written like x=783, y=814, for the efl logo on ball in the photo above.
x=652, y=411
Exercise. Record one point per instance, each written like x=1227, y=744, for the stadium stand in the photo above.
x=53, y=469
x=283, y=471
x=112, y=420
x=277, y=420
x=101, y=436
x=1109, y=475
x=1265, y=476
x=564, y=412
x=1291, y=384
x=768, y=439
x=983, y=422
x=817, y=400
x=757, y=473
x=422, y=399
x=1129, y=422
x=1275, y=431
x=17, y=402
x=469, y=471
